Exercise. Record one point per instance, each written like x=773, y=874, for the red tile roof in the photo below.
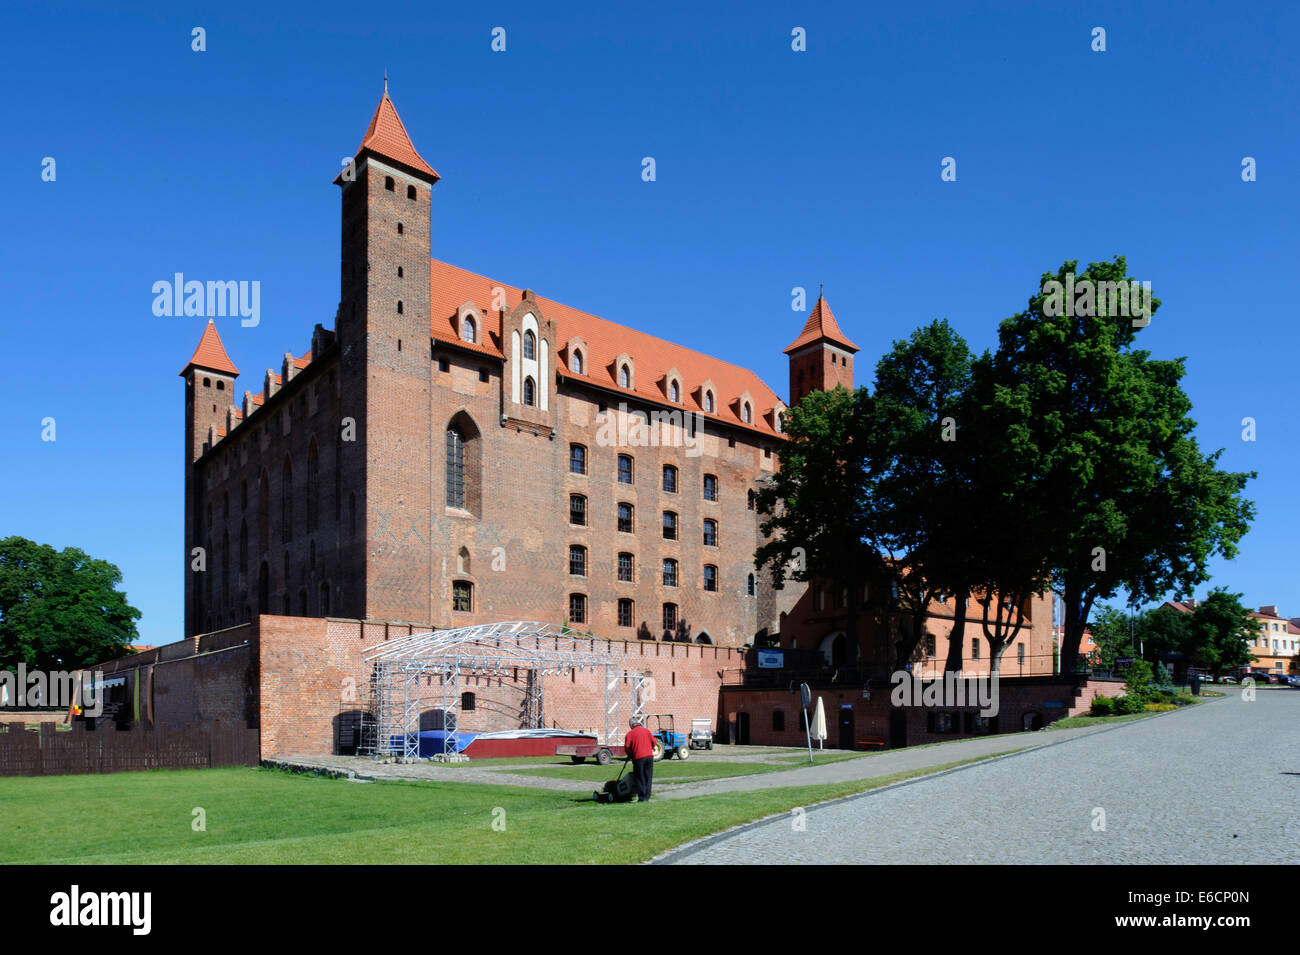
x=821, y=325
x=452, y=287
x=211, y=354
x=386, y=136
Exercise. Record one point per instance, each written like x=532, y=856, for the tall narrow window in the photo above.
x=467, y=331
x=576, y=363
x=708, y=401
x=710, y=577
x=625, y=612
x=749, y=586
x=670, y=572
x=577, y=608
x=455, y=467
x=313, y=488
x=670, y=479
x=286, y=501
x=670, y=526
x=577, y=459
x=710, y=533
x=624, y=469
x=577, y=560
x=746, y=414
x=530, y=392
x=530, y=346
x=625, y=377
x=626, y=567
x=674, y=392
x=670, y=617
x=578, y=510
x=625, y=524
x=710, y=487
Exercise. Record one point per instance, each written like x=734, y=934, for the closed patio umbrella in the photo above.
x=819, y=723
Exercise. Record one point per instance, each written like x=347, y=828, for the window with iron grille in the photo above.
x=624, y=469
x=578, y=560
x=577, y=459
x=670, y=526
x=710, y=577
x=577, y=608
x=625, y=612
x=710, y=487
x=711, y=533
x=670, y=479
x=625, y=567
x=670, y=572
x=455, y=468
x=975, y=649
x=750, y=589
x=670, y=616
x=578, y=510
x=625, y=518
x=462, y=596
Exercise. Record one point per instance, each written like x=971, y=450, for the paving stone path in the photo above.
x=1215, y=783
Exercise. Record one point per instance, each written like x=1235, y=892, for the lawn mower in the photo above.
x=617, y=790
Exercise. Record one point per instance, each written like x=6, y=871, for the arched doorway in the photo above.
x=834, y=648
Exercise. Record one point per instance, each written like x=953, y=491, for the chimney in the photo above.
x=1270, y=611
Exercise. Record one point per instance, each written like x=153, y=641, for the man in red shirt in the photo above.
x=640, y=746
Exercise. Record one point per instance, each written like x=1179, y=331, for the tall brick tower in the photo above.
x=386, y=374
x=209, y=386
x=822, y=356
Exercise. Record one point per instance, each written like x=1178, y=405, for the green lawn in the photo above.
x=1075, y=721
x=264, y=816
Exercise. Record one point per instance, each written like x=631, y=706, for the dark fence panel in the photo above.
x=53, y=751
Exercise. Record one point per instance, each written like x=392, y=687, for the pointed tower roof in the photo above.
x=386, y=136
x=211, y=354
x=821, y=326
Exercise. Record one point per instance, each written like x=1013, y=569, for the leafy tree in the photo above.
x=1222, y=625
x=1165, y=631
x=923, y=484
x=817, y=509
x=1112, y=634
x=1102, y=457
x=60, y=609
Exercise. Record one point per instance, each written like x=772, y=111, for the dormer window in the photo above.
x=530, y=346
x=575, y=363
x=708, y=401
x=746, y=414
x=625, y=377
x=674, y=392
x=467, y=331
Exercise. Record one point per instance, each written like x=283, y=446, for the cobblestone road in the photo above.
x=1216, y=783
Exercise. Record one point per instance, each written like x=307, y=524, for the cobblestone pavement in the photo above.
x=1215, y=783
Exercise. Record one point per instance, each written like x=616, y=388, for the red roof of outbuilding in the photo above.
x=821, y=325
x=211, y=354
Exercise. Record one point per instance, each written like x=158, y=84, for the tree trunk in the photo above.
x=957, y=638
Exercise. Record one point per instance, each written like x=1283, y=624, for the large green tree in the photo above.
x=817, y=509
x=923, y=489
x=60, y=609
x=1112, y=632
x=1102, y=453
x=1221, y=625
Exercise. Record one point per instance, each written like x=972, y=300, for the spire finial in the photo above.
x=385, y=82
x=821, y=290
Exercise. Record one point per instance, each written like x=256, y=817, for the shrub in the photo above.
x=1102, y=706
x=1128, y=705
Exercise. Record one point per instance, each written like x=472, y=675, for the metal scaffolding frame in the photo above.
x=525, y=651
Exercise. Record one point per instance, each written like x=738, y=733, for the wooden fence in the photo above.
x=54, y=751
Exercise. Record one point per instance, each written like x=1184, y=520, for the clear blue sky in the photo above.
x=775, y=169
